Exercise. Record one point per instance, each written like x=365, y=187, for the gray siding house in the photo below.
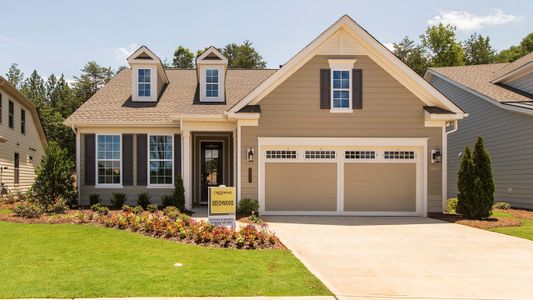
x=499, y=101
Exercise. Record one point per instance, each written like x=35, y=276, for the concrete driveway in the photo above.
x=409, y=257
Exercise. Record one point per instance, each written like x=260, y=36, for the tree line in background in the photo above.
x=439, y=47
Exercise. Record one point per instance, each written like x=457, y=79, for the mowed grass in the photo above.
x=524, y=231
x=66, y=261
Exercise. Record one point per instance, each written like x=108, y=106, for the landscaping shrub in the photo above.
x=247, y=206
x=188, y=230
x=94, y=199
x=451, y=205
x=254, y=218
x=28, y=210
x=21, y=196
x=96, y=206
x=10, y=198
x=127, y=208
x=59, y=207
x=475, y=183
x=168, y=200
x=54, y=178
x=102, y=210
x=151, y=208
x=143, y=200
x=502, y=205
x=483, y=171
x=171, y=212
x=137, y=209
x=179, y=193
x=118, y=200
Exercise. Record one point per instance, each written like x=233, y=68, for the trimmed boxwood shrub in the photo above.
x=118, y=200
x=247, y=206
x=143, y=200
x=94, y=199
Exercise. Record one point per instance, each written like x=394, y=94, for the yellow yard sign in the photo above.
x=221, y=200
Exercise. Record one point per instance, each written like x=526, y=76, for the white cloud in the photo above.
x=465, y=21
x=9, y=40
x=123, y=53
x=389, y=46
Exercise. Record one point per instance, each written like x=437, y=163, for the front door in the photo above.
x=211, y=168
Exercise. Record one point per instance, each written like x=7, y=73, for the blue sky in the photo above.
x=60, y=36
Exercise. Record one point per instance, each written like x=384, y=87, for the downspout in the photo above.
x=445, y=163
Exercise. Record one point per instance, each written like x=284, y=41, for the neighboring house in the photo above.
x=343, y=128
x=499, y=101
x=22, y=138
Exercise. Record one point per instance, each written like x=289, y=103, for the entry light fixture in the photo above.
x=250, y=154
x=436, y=156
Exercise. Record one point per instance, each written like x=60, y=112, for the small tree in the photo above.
x=54, y=178
x=483, y=171
x=179, y=193
x=465, y=183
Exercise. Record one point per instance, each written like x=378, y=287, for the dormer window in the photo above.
x=148, y=77
x=211, y=83
x=144, y=85
x=211, y=70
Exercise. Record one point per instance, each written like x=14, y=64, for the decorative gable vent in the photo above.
x=211, y=67
x=148, y=77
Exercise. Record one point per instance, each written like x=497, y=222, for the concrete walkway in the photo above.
x=409, y=258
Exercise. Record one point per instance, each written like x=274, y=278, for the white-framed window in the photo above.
x=341, y=89
x=161, y=160
x=211, y=83
x=144, y=84
x=109, y=159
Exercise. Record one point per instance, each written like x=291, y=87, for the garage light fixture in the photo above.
x=250, y=154
x=436, y=156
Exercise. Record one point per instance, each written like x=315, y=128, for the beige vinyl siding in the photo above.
x=389, y=110
x=20, y=143
x=131, y=191
x=507, y=136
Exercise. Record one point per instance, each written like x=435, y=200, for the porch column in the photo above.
x=186, y=167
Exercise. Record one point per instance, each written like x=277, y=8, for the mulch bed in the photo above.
x=521, y=213
x=488, y=223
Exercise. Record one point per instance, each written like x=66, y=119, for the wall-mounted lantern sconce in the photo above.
x=436, y=156
x=250, y=154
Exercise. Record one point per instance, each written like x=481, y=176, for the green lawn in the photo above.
x=66, y=261
x=525, y=231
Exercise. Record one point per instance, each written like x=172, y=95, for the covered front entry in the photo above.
x=212, y=163
x=339, y=176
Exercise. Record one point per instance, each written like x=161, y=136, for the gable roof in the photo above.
x=375, y=50
x=512, y=67
x=143, y=55
x=478, y=78
x=27, y=103
x=113, y=105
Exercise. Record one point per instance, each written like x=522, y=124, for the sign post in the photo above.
x=222, y=202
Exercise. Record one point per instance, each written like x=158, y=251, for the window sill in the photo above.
x=108, y=186
x=341, y=110
x=160, y=186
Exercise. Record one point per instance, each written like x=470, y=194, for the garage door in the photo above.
x=346, y=177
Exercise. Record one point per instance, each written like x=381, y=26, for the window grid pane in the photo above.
x=144, y=83
x=160, y=164
x=281, y=154
x=341, y=89
x=211, y=87
x=109, y=163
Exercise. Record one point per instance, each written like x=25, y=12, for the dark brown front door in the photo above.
x=211, y=167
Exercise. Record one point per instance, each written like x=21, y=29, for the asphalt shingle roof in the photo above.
x=112, y=104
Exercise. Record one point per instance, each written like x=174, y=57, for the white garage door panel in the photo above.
x=379, y=187
x=301, y=186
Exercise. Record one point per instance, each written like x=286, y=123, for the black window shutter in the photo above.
x=325, y=89
x=357, y=89
x=177, y=155
x=127, y=159
x=141, y=159
x=90, y=159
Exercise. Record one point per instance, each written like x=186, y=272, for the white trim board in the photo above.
x=418, y=145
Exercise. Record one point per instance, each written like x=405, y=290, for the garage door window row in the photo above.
x=360, y=154
x=281, y=154
x=399, y=155
x=320, y=154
